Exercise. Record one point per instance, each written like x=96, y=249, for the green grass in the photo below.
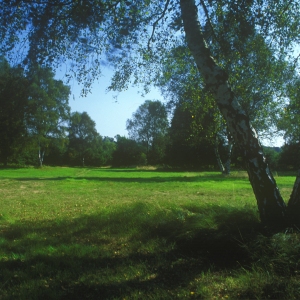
x=80, y=233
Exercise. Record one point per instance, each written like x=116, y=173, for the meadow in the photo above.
x=97, y=233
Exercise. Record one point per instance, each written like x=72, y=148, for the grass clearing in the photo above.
x=92, y=233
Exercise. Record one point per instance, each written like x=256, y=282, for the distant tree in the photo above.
x=290, y=115
x=109, y=147
x=48, y=109
x=95, y=155
x=149, y=126
x=13, y=108
x=84, y=141
x=190, y=142
x=289, y=157
x=128, y=153
x=57, y=151
x=289, y=124
x=272, y=156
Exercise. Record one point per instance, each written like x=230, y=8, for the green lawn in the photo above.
x=80, y=233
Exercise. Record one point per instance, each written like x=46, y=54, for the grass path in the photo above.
x=80, y=233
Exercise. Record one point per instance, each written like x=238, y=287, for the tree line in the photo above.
x=191, y=141
x=37, y=127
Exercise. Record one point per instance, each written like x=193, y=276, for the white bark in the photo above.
x=228, y=160
x=217, y=154
x=270, y=203
x=41, y=156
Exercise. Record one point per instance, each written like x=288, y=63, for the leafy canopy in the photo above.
x=149, y=122
x=135, y=36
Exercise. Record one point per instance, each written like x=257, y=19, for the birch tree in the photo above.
x=48, y=112
x=270, y=203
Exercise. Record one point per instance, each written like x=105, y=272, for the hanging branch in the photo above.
x=156, y=22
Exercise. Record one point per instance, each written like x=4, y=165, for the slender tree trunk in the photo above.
x=271, y=206
x=40, y=161
x=224, y=168
x=41, y=155
x=218, y=157
x=228, y=160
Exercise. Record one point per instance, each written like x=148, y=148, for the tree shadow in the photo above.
x=155, y=178
x=69, y=254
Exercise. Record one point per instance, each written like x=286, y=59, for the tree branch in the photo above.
x=156, y=22
x=208, y=20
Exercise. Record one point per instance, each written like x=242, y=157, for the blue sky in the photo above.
x=109, y=113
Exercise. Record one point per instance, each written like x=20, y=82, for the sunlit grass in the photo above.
x=80, y=233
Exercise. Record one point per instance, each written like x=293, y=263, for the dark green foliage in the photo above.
x=108, y=149
x=272, y=155
x=48, y=113
x=191, y=156
x=13, y=108
x=33, y=111
x=149, y=126
x=84, y=141
x=156, y=154
x=56, y=152
x=128, y=153
x=191, y=139
x=289, y=158
x=290, y=115
x=85, y=145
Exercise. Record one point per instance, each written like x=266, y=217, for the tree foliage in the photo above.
x=34, y=110
x=149, y=126
x=190, y=143
x=128, y=153
x=84, y=140
x=290, y=115
x=13, y=108
x=289, y=158
x=48, y=108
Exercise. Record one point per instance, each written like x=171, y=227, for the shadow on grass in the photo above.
x=129, y=253
x=155, y=179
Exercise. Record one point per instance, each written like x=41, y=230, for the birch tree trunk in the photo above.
x=224, y=168
x=228, y=160
x=219, y=160
x=218, y=157
x=271, y=206
x=40, y=157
